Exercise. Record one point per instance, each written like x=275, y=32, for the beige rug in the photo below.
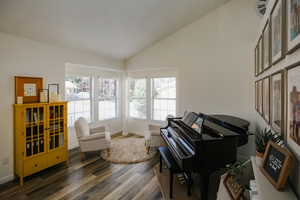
x=128, y=150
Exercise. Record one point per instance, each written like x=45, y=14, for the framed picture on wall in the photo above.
x=277, y=19
x=293, y=109
x=266, y=47
x=256, y=95
x=266, y=99
x=276, y=101
x=256, y=61
x=293, y=24
x=260, y=56
x=259, y=98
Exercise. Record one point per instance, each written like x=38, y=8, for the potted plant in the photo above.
x=262, y=138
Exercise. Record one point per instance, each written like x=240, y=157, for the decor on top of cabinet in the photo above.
x=276, y=101
x=293, y=25
x=293, y=109
x=277, y=31
x=53, y=92
x=266, y=99
x=266, y=47
x=263, y=137
x=277, y=164
x=44, y=96
x=28, y=88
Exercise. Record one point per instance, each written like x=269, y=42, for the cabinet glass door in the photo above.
x=56, y=126
x=35, y=130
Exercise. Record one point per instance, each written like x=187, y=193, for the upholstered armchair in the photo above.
x=94, y=139
x=153, y=137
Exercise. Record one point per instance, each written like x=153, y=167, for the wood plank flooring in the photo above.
x=93, y=178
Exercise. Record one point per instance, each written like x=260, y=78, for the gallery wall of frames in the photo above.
x=277, y=89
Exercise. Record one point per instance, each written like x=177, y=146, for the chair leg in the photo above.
x=171, y=184
x=108, y=152
x=82, y=156
x=160, y=163
x=148, y=149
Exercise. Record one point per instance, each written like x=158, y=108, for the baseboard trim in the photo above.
x=7, y=179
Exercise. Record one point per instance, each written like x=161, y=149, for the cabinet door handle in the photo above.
x=57, y=157
x=35, y=165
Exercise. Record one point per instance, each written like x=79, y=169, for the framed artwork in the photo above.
x=259, y=98
x=28, y=88
x=266, y=47
x=293, y=24
x=234, y=189
x=256, y=95
x=266, y=99
x=256, y=60
x=53, y=92
x=277, y=164
x=277, y=101
x=293, y=109
x=260, y=57
x=277, y=16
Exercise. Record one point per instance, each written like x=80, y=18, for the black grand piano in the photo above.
x=203, y=144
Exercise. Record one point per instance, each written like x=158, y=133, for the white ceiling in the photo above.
x=114, y=28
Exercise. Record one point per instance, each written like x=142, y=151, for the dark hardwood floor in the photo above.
x=93, y=178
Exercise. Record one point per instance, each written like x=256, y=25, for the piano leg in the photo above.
x=160, y=163
x=189, y=183
x=171, y=184
x=205, y=185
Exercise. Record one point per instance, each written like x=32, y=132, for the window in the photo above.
x=107, y=99
x=78, y=95
x=163, y=100
x=137, y=98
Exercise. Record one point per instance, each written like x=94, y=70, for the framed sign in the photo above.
x=266, y=99
x=260, y=56
x=293, y=24
x=277, y=101
x=234, y=189
x=28, y=88
x=276, y=164
x=277, y=31
x=256, y=61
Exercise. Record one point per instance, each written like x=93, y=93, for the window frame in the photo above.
x=83, y=99
x=138, y=98
x=117, y=98
x=149, y=98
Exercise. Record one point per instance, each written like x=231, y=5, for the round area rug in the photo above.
x=127, y=150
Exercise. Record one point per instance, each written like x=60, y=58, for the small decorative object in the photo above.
x=293, y=109
x=262, y=138
x=277, y=17
x=232, y=180
x=266, y=46
x=293, y=25
x=19, y=100
x=28, y=87
x=276, y=165
x=266, y=99
x=53, y=92
x=276, y=101
x=44, y=96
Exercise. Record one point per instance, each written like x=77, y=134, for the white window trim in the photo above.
x=149, y=97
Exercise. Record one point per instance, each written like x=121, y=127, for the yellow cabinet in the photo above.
x=40, y=136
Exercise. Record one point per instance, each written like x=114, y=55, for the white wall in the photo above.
x=23, y=57
x=214, y=57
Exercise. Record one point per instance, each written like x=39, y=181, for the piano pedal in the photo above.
x=181, y=179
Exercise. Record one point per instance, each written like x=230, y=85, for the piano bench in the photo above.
x=166, y=156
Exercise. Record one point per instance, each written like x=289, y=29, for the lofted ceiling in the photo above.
x=114, y=28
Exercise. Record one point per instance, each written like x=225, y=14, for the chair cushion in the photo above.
x=94, y=136
x=82, y=127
